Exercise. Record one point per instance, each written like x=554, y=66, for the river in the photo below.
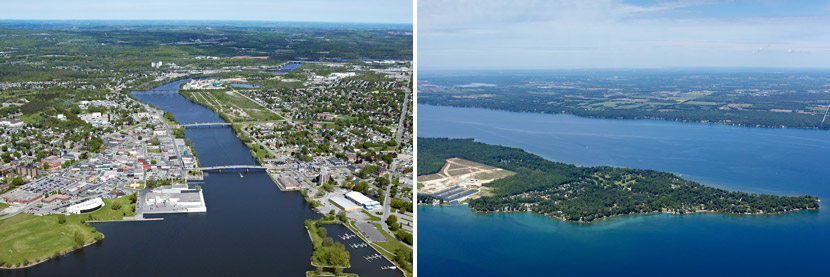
x=251, y=228
x=453, y=240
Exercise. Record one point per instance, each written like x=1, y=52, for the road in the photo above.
x=403, y=115
x=387, y=206
x=170, y=133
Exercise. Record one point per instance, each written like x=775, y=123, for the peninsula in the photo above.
x=586, y=194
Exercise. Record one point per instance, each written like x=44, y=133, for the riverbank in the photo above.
x=230, y=105
x=27, y=240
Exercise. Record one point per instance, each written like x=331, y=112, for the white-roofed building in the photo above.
x=362, y=200
x=86, y=206
x=344, y=204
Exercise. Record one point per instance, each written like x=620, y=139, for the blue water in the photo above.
x=452, y=240
x=288, y=67
x=244, y=86
x=251, y=228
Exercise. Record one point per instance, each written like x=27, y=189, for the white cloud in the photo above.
x=608, y=33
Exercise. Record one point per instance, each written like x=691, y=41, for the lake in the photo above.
x=453, y=240
x=251, y=228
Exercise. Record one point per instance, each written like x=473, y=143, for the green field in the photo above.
x=314, y=274
x=230, y=105
x=26, y=238
x=371, y=217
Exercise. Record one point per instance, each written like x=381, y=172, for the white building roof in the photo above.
x=86, y=205
x=343, y=203
x=361, y=199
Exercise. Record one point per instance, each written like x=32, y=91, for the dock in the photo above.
x=372, y=257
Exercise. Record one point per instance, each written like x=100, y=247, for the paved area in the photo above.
x=370, y=232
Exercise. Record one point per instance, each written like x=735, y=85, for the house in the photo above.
x=351, y=157
x=380, y=172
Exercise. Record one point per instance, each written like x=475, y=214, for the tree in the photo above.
x=404, y=236
x=17, y=181
x=79, y=238
x=392, y=220
x=155, y=141
x=403, y=256
x=322, y=232
x=61, y=219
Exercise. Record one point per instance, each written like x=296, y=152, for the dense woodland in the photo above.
x=589, y=193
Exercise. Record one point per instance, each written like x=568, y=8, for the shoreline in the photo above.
x=631, y=214
x=103, y=236
x=757, y=125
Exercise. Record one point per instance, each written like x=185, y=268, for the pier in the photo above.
x=346, y=236
x=373, y=257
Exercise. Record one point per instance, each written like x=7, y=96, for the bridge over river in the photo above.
x=157, y=91
x=231, y=167
x=206, y=124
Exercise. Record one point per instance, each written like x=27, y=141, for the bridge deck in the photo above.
x=208, y=168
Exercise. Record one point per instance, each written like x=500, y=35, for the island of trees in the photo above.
x=586, y=194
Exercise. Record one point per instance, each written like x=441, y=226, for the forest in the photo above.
x=586, y=194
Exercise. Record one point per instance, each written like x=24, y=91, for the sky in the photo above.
x=358, y=11
x=563, y=34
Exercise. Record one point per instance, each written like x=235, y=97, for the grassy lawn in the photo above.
x=371, y=217
x=314, y=274
x=26, y=238
x=3, y=206
x=392, y=242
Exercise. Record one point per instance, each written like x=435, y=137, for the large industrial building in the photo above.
x=344, y=204
x=288, y=182
x=362, y=200
x=176, y=198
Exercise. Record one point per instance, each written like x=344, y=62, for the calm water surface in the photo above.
x=251, y=227
x=453, y=240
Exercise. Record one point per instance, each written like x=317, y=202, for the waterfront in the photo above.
x=779, y=161
x=251, y=227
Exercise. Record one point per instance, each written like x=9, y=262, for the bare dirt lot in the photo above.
x=461, y=173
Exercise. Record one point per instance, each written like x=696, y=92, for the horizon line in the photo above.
x=211, y=20
x=423, y=69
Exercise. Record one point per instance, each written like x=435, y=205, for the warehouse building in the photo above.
x=362, y=200
x=344, y=204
